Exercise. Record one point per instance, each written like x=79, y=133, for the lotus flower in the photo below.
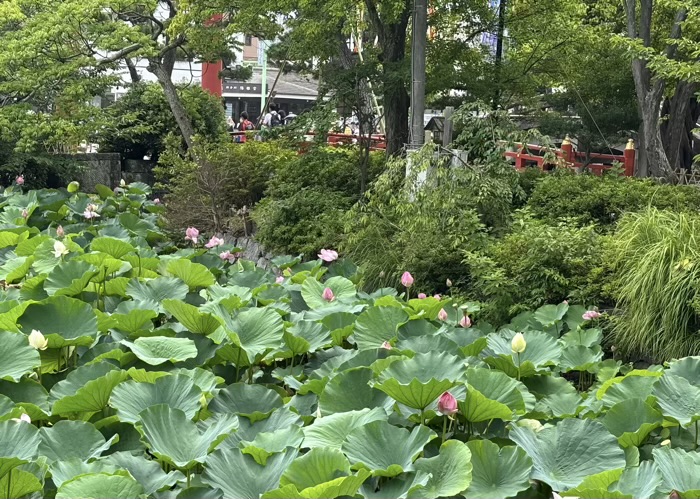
x=328, y=255
x=518, y=344
x=192, y=234
x=37, y=340
x=437, y=297
x=449, y=283
x=280, y=279
x=665, y=442
x=591, y=315
x=25, y=214
x=386, y=345
x=228, y=256
x=442, y=314
x=407, y=279
x=91, y=212
x=156, y=201
x=24, y=418
x=328, y=295
x=465, y=322
x=422, y=296
x=59, y=249
x=122, y=183
x=59, y=231
x=19, y=180
x=73, y=187
x=214, y=242
x=447, y=404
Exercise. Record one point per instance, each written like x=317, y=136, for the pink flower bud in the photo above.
x=386, y=345
x=465, y=322
x=422, y=296
x=156, y=201
x=407, y=279
x=442, y=315
x=25, y=214
x=437, y=297
x=328, y=255
x=20, y=180
x=60, y=232
x=280, y=279
x=591, y=315
x=447, y=404
x=328, y=295
x=192, y=234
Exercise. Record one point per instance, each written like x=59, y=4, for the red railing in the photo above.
x=547, y=158
x=377, y=141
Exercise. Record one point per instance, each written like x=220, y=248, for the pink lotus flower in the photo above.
x=25, y=214
x=328, y=255
x=465, y=322
x=24, y=418
x=407, y=279
x=437, y=297
x=386, y=345
x=228, y=256
x=20, y=180
x=60, y=232
x=156, y=201
x=91, y=212
x=328, y=295
x=591, y=315
x=447, y=404
x=442, y=315
x=280, y=279
x=422, y=296
x=214, y=242
x=192, y=234
x=565, y=302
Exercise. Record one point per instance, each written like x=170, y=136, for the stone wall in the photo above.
x=251, y=250
x=98, y=168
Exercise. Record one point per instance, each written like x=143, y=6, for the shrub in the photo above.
x=39, y=169
x=212, y=180
x=536, y=263
x=655, y=256
x=603, y=200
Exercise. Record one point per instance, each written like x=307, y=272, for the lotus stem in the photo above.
x=188, y=477
x=9, y=482
x=696, y=435
x=518, y=366
x=422, y=417
x=444, y=428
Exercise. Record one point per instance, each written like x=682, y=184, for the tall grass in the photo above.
x=656, y=262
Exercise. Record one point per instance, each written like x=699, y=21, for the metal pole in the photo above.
x=263, y=86
x=420, y=35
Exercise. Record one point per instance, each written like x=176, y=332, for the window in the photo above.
x=248, y=40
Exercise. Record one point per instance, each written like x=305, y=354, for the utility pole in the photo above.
x=262, y=60
x=502, y=6
x=418, y=44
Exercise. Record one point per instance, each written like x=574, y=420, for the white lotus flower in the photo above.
x=37, y=340
x=24, y=418
x=59, y=249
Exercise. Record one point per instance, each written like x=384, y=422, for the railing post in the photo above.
x=630, y=153
x=567, y=149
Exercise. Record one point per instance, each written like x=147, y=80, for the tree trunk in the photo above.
x=679, y=112
x=173, y=98
x=502, y=6
x=135, y=76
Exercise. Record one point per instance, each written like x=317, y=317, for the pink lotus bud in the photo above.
x=280, y=279
x=60, y=232
x=437, y=297
x=447, y=404
x=214, y=242
x=465, y=322
x=192, y=234
x=156, y=201
x=386, y=345
x=228, y=256
x=328, y=255
x=25, y=214
x=407, y=279
x=442, y=315
x=565, y=302
x=20, y=180
x=422, y=296
x=328, y=295
x=591, y=315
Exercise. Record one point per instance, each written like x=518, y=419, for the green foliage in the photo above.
x=604, y=200
x=39, y=169
x=654, y=257
x=307, y=198
x=537, y=262
x=137, y=124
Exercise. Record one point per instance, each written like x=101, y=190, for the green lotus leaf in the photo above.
x=307, y=337
x=449, y=473
x=101, y=486
x=565, y=454
x=417, y=382
x=195, y=275
x=678, y=398
x=62, y=471
x=254, y=402
x=87, y=389
x=29, y=395
x=19, y=443
x=266, y=444
x=680, y=471
x=330, y=431
x=190, y=317
x=72, y=439
x=69, y=278
x=641, y=481
x=547, y=315
x=425, y=344
x=156, y=350
x=339, y=487
x=149, y=294
x=395, y=488
x=114, y=247
x=16, y=269
x=635, y=384
x=62, y=320
x=177, y=391
x=493, y=395
x=384, y=449
x=582, y=337
x=206, y=380
x=597, y=486
x=7, y=408
x=688, y=368
x=250, y=480
x=542, y=350
x=20, y=483
x=148, y=473
x=256, y=331
x=133, y=321
x=173, y=437
x=279, y=421
x=17, y=357
x=351, y=391
x=497, y=472
x=631, y=421
x=376, y=325
x=312, y=291
x=560, y=404
x=580, y=358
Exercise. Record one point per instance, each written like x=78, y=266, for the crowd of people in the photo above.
x=274, y=117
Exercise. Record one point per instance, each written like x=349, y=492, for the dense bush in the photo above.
x=603, y=200
x=534, y=264
x=38, y=169
x=138, y=123
x=212, y=181
x=655, y=258
x=307, y=198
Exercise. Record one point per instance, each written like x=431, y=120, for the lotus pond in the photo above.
x=132, y=367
